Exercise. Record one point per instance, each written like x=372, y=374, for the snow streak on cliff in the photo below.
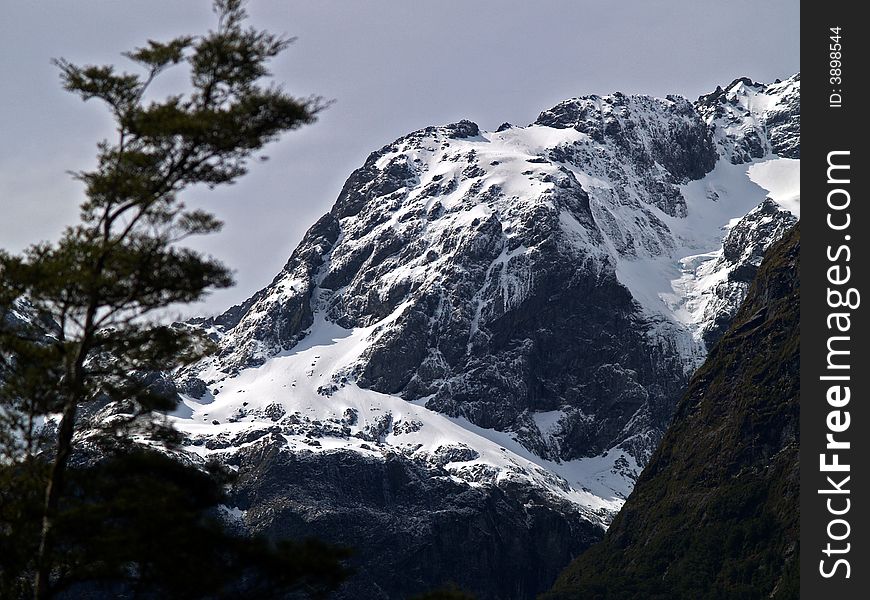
x=516, y=307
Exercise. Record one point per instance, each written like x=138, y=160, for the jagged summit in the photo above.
x=472, y=255
x=645, y=130
x=750, y=120
x=514, y=311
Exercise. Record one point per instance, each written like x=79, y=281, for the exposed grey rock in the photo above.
x=193, y=387
x=486, y=282
x=743, y=136
x=742, y=251
x=411, y=531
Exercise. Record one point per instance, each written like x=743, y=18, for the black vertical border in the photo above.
x=828, y=126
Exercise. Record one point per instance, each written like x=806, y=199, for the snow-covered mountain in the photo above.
x=511, y=313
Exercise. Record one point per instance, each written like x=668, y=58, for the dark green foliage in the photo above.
x=94, y=342
x=715, y=512
x=141, y=524
x=21, y=489
x=103, y=280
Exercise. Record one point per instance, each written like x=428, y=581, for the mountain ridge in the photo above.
x=517, y=312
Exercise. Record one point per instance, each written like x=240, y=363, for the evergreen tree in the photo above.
x=140, y=524
x=99, y=291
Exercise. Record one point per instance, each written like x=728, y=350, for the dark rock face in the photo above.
x=742, y=251
x=23, y=319
x=784, y=123
x=722, y=519
x=680, y=141
x=476, y=274
x=524, y=361
x=486, y=353
x=22, y=316
x=497, y=313
x=411, y=532
x=765, y=222
x=276, y=317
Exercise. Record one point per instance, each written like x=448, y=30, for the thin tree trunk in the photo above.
x=42, y=582
x=52, y=498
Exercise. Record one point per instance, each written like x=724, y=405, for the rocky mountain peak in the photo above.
x=494, y=327
x=645, y=130
x=510, y=310
x=750, y=119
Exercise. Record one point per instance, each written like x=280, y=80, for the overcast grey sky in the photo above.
x=392, y=66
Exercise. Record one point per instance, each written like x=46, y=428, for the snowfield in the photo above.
x=289, y=390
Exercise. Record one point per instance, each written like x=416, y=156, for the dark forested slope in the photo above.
x=715, y=513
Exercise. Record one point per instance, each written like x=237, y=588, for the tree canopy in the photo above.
x=81, y=328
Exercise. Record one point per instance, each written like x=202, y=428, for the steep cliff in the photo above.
x=715, y=512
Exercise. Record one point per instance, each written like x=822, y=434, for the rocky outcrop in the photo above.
x=411, y=530
x=482, y=343
x=743, y=248
x=751, y=119
x=721, y=520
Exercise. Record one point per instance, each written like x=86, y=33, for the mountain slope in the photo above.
x=471, y=255
x=715, y=512
x=507, y=319
x=411, y=529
